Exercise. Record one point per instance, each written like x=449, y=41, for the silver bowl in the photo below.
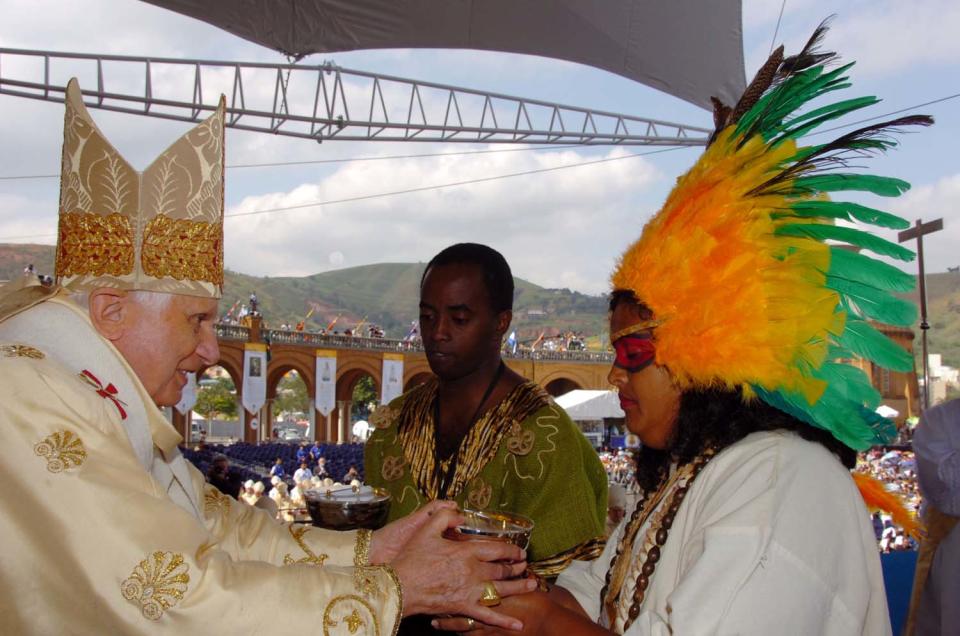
x=493, y=526
x=348, y=508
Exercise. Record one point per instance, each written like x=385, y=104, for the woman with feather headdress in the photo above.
x=732, y=319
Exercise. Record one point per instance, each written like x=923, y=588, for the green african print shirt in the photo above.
x=524, y=456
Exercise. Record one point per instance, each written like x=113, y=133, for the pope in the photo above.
x=106, y=528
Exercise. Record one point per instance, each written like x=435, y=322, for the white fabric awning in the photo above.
x=590, y=405
x=686, y=48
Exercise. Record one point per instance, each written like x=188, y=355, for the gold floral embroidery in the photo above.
x=363, y=580
x=62, y=450
x=480, y=494
x=94, y=245
x=21, y=351
x=392, y=468
x=396, y=583
x=183, y=249
x=157, y=583
x=297, y=533
x=383, y=417
x=215, y=501
x=520, y=441
x=353, y=620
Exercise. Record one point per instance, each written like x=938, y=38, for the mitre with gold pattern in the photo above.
x=160, y=230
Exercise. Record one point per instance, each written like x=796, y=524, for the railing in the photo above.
x=306, y=338
x=232, y=332
x=337, y=341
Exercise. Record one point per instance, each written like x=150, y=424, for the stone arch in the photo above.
x=348, y=376
x=560, y=385
x=233, y=371
x=276, y=372
x=277, y=368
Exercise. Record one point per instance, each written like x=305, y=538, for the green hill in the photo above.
x=386, y=294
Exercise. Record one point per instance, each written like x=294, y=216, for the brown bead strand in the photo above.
x=660, y=538
x=639, y=516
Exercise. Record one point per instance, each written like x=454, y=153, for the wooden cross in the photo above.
x=917, y=232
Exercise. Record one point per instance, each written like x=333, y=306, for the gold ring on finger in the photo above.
x=490, y=597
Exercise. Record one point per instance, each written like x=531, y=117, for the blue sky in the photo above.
x=559, y=229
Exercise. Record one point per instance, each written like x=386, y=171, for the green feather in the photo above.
x=882, y=186
x=849, y=383
x=802, y=124
x=845, y=409
x=864, y=341
x=845, y=263
x=767, y=115
x=873, y=303
x=843, y=210
x=825, y=232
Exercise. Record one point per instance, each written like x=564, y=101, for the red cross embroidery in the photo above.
x=109, y=392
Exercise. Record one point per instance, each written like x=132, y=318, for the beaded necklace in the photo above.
x=677, y=486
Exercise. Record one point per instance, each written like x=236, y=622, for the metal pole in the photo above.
x=924, y=325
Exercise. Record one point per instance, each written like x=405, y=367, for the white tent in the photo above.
x=886, y=411
x=686, y=48
x=590, y=405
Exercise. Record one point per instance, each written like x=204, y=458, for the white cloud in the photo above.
x=932, y=201
x=560, y=228
x=885, y=37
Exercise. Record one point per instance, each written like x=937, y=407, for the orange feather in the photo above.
x=876, y=496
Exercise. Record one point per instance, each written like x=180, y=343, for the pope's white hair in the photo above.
x=157, y=301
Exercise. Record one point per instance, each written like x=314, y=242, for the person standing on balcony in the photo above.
x=479, y=433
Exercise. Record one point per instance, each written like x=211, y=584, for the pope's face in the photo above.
x=163, y=345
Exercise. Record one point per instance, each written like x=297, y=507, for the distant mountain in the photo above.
x=386, y=294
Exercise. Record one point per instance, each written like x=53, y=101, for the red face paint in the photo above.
x=634, y=352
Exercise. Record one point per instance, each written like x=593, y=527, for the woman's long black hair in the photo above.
x=718, y=418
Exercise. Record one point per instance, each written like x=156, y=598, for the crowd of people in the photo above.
x=896, y=469
x=619, y=465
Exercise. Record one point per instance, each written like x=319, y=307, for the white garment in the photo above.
x=772, y=538
x=936, y=443
x=301, y=474
x=43, y=326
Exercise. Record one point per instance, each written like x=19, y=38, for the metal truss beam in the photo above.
x=325, y=102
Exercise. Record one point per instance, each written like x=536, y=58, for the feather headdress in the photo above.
x=738, y=270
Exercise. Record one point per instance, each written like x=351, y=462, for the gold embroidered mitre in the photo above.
x=161, y=230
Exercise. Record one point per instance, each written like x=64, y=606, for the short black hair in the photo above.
x=496, y=272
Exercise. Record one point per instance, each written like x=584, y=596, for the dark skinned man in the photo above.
x=479, y=433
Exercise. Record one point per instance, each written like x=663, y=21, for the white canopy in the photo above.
x=590, y=405
x=686, y=48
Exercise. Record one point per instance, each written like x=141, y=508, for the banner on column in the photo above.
x=188, y=397
x=254, y=376
x=326, y=389
x=392, y=385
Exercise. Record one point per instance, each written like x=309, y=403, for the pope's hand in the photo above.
x=440, y=576
x=389, y=541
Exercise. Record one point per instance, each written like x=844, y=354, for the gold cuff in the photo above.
x=361, y=552
x=396, y=581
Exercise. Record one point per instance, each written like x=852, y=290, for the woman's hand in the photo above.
x=530, y=609
x=542, y=614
